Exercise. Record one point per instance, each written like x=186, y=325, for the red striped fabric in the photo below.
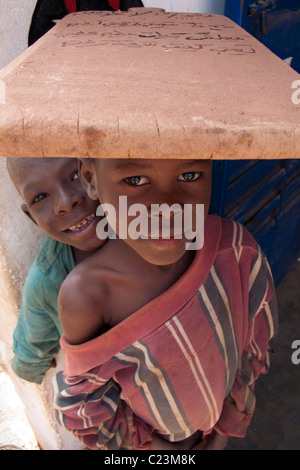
x=115, y=4
x=71, y=6
x=186, y=361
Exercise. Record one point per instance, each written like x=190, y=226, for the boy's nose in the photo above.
x=166, y=195
x=67, y=201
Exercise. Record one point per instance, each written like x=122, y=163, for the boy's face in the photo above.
x=150, y=182
x=56, y=200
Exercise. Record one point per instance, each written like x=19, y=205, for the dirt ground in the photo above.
x=276, y=422
x=15, y=429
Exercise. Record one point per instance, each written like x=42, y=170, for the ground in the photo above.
x=276, y=422
x=14, y=426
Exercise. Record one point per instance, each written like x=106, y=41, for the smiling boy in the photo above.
x=155, y=264
x=56, y=201
x=187, y=331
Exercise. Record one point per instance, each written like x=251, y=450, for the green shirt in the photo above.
x=37, y=334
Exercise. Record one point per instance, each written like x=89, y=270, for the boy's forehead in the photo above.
x=24, y=170
x=19, y=167
x=120, y=165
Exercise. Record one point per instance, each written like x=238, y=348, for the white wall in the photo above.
x=19, y=244
x=195, y=6
x=15, y=18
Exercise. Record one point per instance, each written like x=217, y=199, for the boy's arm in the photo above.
x=239, y=405
x=100, y=419
x=32, y=358
x=90, y=405
x=91, y=408
x=36, y=336
x=79, y=307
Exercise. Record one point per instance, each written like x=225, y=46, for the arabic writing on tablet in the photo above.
x=172, y=31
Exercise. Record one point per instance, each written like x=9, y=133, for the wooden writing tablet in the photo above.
x=149, y=84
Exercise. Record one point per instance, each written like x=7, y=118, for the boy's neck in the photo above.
x=138, y=265
x=80, y=255
x=136, y=281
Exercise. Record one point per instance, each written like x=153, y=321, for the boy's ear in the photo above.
x=87, y=177
x=27, y=212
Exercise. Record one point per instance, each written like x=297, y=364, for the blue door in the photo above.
x=264, y=195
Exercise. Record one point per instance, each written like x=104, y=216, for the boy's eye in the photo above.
x=75, y=176
x=136, y=180
x=38, y=198
x=190, y=176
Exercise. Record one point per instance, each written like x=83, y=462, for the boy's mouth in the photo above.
x=84, y=222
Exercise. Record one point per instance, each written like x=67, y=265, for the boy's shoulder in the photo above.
x=83, y=291
x=89, y=272
x=235, y=235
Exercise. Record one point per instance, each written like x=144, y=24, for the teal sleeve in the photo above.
x=37, y=334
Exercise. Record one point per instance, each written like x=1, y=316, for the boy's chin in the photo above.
x=161, y=252
x=85, y=244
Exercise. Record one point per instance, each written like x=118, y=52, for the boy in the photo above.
x=56, y=201
x=188, y=332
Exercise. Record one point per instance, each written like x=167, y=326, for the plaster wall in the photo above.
x=19, y=242
x=15, y=18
